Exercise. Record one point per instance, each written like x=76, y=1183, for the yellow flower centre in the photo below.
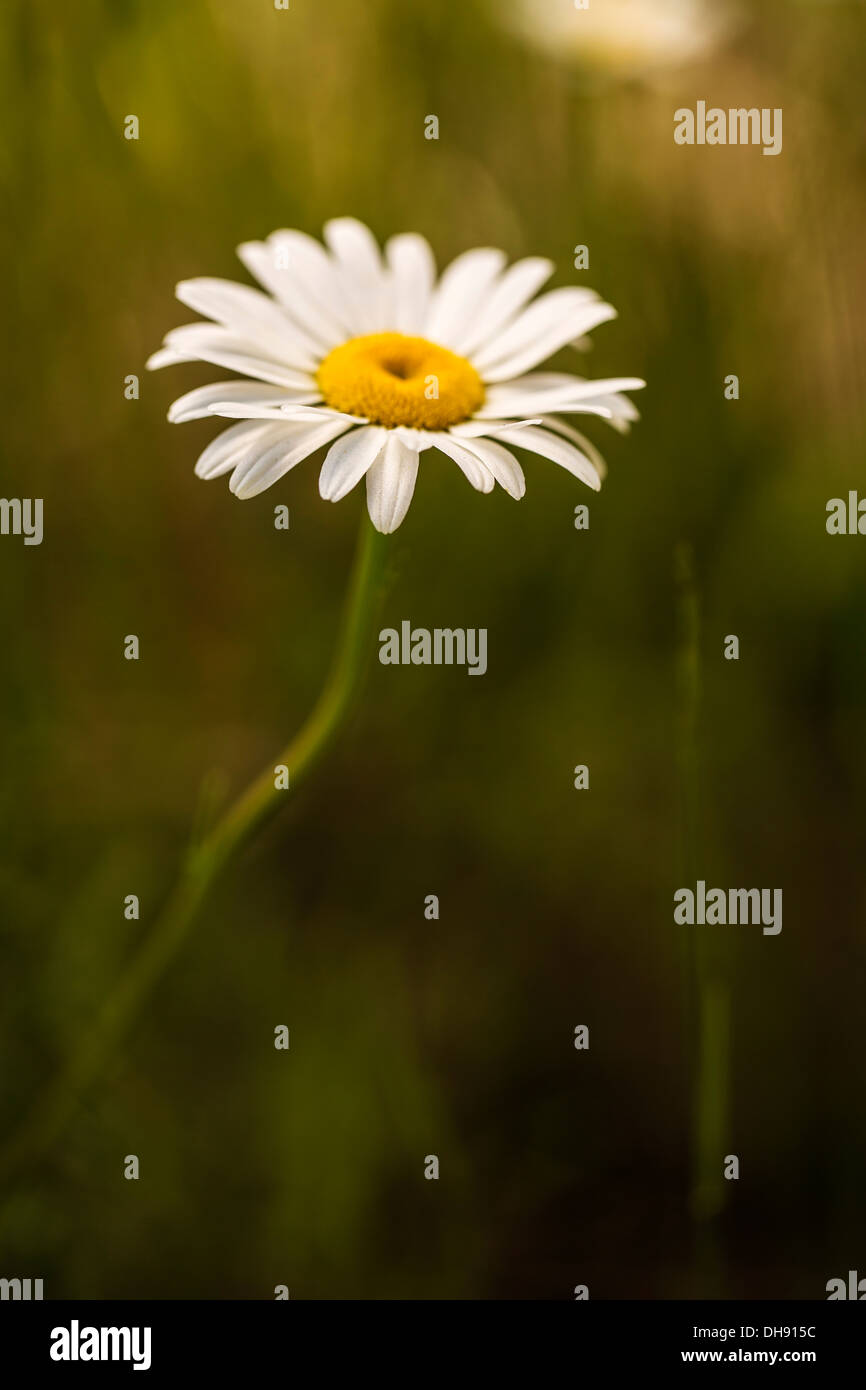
x=392, y=379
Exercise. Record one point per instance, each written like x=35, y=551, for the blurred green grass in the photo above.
x=410, y=1037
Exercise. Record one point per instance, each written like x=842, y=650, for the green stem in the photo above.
x=707, y=987
x=208, y=858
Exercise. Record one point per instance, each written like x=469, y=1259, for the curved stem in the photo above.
x=209, y=857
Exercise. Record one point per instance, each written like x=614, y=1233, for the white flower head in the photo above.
x=624, y=37
x=377, y=358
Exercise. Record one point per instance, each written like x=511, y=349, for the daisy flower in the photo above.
x=625, y=37
x=377, y=358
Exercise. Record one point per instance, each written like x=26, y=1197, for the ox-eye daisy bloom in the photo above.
x=380, y=360
x=625, y=38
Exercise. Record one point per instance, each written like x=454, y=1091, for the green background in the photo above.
x=454, y=1037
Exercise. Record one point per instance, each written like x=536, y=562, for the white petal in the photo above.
x=464, y=288
x=196, y=404
x=166, y=357
x=208, y=342
x=299, y=272
x=485, y=429
x=621, y=412
x=517, y=407
x=302, y=407
x=295, y=443
x=189, y=337
x=352, y=243
x=617, y=409
x=502, y=464
x=419, y=440
x=552, y=422
x=301, y=410
x=550, y=446
x=479, y=474
x=234, y=445
x=254, y=316
x=390, y=484
x=541, y=381
x=519, y=283
x=360, y=273
x=542, y=329
x=348, y=461
x=413, y=272
x=513, y=398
